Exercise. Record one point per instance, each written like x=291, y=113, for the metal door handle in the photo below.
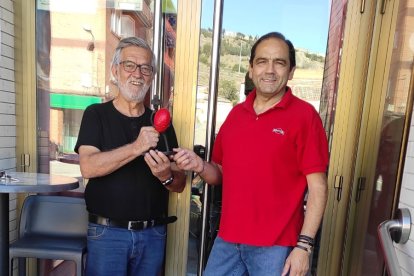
x=397, y=230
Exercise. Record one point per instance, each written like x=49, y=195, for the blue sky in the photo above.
x=304, y=22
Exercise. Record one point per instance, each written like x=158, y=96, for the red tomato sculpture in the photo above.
x=162, y=120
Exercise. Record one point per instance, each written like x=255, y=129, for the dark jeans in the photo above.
x=121, y=252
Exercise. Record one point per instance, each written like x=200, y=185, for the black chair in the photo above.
x=51, y=227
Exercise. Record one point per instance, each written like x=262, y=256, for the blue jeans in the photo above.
x=231, y=259
x=120, y=252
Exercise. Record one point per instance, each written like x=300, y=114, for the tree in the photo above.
x=227, y=89
x=235, y=68
x=204, y=59
x=206, y=50
x=239, y=35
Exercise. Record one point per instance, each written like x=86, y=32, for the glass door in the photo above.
x=370, y=118
x=387, y=113
x=75, y=41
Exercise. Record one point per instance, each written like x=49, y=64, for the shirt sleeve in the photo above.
x=313, y=153
x=217, y=155
x=90, y=131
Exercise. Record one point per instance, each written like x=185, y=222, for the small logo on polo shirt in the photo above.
x=278, y=131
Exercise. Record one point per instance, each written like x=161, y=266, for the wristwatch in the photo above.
x=168, y=181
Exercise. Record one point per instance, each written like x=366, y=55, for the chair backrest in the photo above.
x=54, y=216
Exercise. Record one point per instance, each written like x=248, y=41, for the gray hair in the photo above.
x=132, y=41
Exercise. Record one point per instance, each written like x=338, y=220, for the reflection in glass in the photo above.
x=74, y=44
x=75, y=41
x=392, y=131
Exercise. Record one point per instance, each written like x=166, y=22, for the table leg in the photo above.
x=4, y=234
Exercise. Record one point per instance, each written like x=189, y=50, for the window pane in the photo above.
x=75, y=41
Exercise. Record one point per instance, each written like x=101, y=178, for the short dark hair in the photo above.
x=292, y=54
x=248, y=84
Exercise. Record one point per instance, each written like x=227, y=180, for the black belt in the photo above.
x=131, y=225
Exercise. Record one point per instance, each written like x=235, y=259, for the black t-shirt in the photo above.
x=132, y=192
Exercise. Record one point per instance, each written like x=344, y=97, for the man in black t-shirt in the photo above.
x=129, y=175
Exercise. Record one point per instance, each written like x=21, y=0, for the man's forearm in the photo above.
x=95, y=163
x=211, y=173
x=316, y=204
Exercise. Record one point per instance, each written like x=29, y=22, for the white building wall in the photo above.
x=405, y=252
x=8, y=101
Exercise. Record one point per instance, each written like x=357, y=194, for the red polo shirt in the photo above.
x=265, y=160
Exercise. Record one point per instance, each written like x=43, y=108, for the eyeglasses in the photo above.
x=131, y=67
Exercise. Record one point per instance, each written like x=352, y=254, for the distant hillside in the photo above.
x=234, y=63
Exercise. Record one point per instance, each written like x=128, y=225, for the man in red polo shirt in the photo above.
x=270, y=151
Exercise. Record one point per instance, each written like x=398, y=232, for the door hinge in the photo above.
x=25, y=161
x=339, y=179
x=362, y=9
x=383, y=6
x=360, y=188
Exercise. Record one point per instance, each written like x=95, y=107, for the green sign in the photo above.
x=72, y=101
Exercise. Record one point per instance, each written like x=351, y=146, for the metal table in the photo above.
x=20, y=182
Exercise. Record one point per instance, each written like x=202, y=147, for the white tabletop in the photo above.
x=36, y=182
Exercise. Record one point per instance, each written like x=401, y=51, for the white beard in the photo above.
x=136, y=95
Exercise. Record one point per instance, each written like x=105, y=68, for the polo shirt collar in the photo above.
x=286, y=99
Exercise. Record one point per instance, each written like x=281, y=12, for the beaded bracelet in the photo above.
x=306, y=239
x=309, y=250
x=306, y=242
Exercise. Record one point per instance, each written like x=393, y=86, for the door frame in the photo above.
x=363, y=77
x=353, y=72
x=370, y=135
x=184, y=111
